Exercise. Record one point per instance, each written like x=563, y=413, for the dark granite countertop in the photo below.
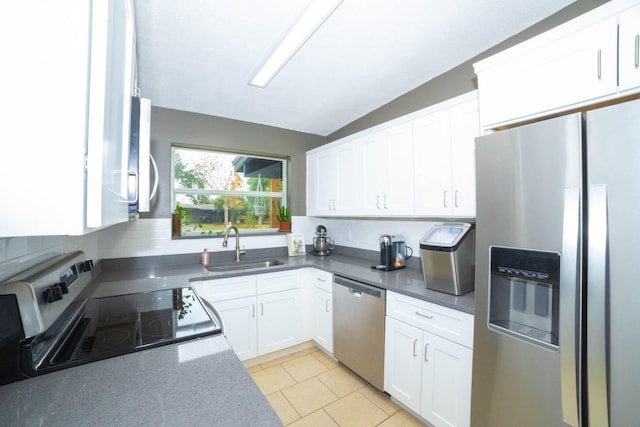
x=194, y=383
x=124, y=276
x=198, y=382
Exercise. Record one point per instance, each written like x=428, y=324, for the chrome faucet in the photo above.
x=226, y=237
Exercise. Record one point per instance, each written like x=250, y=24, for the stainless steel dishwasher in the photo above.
x=358, y=328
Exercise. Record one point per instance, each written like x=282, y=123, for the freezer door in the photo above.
x=613, y=171
x=524, y=175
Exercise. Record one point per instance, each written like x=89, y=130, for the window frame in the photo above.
x=282, y=195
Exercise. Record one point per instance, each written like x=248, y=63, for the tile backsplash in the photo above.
x=147, y=237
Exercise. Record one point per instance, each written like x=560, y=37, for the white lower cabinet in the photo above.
x=261, y=313
x=278, y=320
x=241, y=328
x=322, y=309
x=427, y=373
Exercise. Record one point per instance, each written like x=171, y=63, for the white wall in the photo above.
x=146, y=237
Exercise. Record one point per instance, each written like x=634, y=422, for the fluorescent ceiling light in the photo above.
x=313, y=16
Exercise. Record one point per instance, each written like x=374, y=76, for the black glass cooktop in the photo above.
x=111, y=326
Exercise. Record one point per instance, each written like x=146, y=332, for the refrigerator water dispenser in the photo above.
x=524, y=294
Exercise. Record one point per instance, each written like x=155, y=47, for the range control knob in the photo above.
x=53, y=294
x=63, y=287
x=85, y=266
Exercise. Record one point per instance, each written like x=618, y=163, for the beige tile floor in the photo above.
x=306, y=387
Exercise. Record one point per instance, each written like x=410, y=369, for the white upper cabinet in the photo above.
x=111, y=87
x=65, y=88
x=581, y=62
x=444, y=160
x=387, y=179
x=629, y=49
x=575, y=68
x=465, y=127
x=331, y=187
x=422, y=164
x=432, y=163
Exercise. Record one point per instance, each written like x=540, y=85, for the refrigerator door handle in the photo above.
x=569, y=288
x=596, y=307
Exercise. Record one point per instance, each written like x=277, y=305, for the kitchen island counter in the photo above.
x=195, y=383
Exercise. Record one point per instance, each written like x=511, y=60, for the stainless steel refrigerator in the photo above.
x=557, y=301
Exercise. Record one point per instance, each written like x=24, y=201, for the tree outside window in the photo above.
x=217, y=187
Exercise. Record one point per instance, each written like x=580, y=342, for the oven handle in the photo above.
x=214, y=311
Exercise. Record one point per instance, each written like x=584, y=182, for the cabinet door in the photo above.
x=323, y=168
x=432, y=164
x=388, y=171
x=312, y=184
x=374, y=173
x=240, y=325
x=45, y=50
x=70, y=70
x=278, y=320
x=574, y=69
x=348, y=190
x=111, y=87
x=323, y=319
x=629, y=49
x=446, y=382
x=403, y=363
x=397, y=198
x=465, y=127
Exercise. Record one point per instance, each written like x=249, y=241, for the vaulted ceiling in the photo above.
x=198, y=55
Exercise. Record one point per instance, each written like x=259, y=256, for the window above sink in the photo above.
x=213, y=188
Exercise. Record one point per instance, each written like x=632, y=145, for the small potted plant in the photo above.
x=180, y=216
x=284, y=217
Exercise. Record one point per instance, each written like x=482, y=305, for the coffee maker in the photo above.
x=393, y=255
x=322, y=245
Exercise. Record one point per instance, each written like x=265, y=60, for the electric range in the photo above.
x=54, y=323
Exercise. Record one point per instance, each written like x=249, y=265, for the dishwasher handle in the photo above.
x=355, y=286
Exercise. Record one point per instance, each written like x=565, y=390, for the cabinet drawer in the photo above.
x=322, y=280
x=277, y=281
x=228, y=288
x=451, y=324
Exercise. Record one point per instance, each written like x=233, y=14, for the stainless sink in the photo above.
x=244, y=265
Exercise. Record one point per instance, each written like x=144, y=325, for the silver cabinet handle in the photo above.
x=596, y=306
x=378, y=201
x=599, y=64
x=444, y=199
x=427, y=316
x=321, y=279
x=261, y=309
x=426, y=348
x=334, y=204
x=133, y=181
x=568, y=294
x=455, y=199
x=414, y=348
x=326, y=305
x=637, y=55
x=253, y=310
x=384, y=201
